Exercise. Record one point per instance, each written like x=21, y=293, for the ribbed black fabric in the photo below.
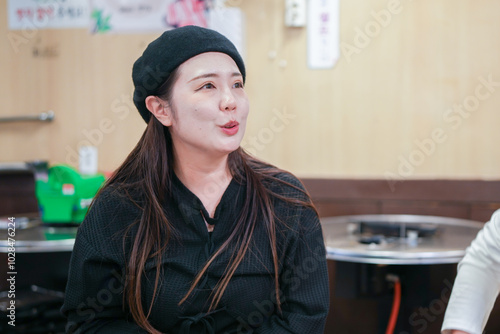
x=94, y=294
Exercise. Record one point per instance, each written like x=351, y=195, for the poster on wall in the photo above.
x=119, y=16
x=323, y=49
x=47, y=14
x=127, y=16
x=146, y=16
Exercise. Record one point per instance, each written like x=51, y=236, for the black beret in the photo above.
x=168, y=51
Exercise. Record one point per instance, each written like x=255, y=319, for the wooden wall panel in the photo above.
x=345, y=208
x=482, y=211
x=428, y=208
x=467, y=199
x=389, y=110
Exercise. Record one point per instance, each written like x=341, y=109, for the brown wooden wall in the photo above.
x=467, y=199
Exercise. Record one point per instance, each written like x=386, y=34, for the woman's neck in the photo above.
x=206, y=178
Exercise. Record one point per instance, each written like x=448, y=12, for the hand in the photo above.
x=454, y=331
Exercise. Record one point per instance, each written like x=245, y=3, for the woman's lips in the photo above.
x=231, y=128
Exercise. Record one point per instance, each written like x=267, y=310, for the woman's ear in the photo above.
x=160, y=109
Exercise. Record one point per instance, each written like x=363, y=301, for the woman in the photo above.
x=191, y=234
x=477, y=283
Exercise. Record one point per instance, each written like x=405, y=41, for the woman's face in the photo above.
x=208, y=106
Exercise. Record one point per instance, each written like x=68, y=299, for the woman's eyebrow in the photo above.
x=211, y=75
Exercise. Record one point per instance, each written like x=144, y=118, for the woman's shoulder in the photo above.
x=286, y=184
x=287, y=190
x=111, y=211
x=110, y=198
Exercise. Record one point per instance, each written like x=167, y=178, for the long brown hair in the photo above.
x=148, y=171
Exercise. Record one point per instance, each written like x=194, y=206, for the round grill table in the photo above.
x=439, y=239
x=364, y=250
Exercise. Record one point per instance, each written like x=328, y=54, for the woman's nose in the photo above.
x=228, y=102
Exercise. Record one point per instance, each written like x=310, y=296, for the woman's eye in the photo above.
x=238, y=85
x=208, y=86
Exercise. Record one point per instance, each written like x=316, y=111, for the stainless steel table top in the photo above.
x=446, y=244
x=31, y=236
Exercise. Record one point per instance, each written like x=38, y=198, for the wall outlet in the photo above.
x=295, y=13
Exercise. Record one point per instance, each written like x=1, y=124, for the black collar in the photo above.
x=187, y=201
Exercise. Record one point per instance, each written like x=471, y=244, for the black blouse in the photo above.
x=94, y=293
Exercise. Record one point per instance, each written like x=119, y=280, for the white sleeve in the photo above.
x=477, y=283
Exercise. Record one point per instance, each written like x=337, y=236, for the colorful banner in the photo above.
x=146, y=16
x=123, y=16
x=47, y=14
x=126, y=16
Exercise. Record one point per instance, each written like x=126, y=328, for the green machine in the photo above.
x=64, y=196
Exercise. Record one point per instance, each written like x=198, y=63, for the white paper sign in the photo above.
x=48, y=14
x=88, y=158
x=230, y=23
x=323, y=34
